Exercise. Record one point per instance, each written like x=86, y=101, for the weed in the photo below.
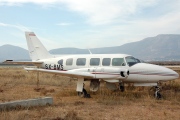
x=76, y=103
x=134, y=103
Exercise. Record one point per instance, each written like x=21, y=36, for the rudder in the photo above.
x=36, y=49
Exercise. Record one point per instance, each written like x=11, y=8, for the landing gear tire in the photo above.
x=80, y=94
x=121, y=87
x=157, y=93
x=84, y=94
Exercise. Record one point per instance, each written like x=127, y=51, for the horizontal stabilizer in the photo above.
x=37, y=63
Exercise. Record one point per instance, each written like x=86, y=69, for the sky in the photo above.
x=87, y=23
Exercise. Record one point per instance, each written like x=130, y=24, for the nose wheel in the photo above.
x=157, y=93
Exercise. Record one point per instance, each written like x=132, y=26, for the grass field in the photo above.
x=134, y=103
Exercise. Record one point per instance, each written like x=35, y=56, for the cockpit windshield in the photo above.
x=132, y=61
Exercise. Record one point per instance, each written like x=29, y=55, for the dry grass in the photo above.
x=134, y=103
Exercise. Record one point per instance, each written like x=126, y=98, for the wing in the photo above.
x=64, y=73
x=107, y=73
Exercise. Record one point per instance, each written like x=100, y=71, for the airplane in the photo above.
x=110, y=68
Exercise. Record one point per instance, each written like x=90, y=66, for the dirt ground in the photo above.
x=135, y=103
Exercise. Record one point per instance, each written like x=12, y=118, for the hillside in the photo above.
x=13, y=53
x=161, y=47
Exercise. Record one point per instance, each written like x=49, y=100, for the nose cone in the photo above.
x=166, y=73
x=176, y=75
x=169, y=73
x=156, y=72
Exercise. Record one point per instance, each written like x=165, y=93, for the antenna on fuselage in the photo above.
x=89, y=51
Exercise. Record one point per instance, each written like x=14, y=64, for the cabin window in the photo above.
x=118, y=62
x=94, y=61
x=69, y=61
x=60, y=62
x=106, y=61
x=81, y=61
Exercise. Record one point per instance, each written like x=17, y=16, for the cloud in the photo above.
x=165, y=24
x=3, y=24
x=6, y=2
x=19, y=27
x=100, y=12
x=64, y=24
x=114, y=21
x=97, y=12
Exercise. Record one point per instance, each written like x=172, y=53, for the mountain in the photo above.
x=69, y=51
x=13, y=53
x=161, y=47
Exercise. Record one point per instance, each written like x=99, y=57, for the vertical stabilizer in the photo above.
x=36, y=49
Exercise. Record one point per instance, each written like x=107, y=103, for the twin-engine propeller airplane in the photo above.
x=111, y=68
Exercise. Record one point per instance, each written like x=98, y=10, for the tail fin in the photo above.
x=36, y=49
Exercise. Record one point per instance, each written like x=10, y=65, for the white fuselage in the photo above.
x=107, y=65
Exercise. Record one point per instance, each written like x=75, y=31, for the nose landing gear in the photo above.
x=157, y=92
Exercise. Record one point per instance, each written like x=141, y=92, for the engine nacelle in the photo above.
x=111, y=73
x=124, y=73
x=104, y=72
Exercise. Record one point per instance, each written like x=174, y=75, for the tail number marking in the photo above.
x=54, y=66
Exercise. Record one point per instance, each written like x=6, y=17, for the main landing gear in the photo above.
x=121, y=87
x=83, y=93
